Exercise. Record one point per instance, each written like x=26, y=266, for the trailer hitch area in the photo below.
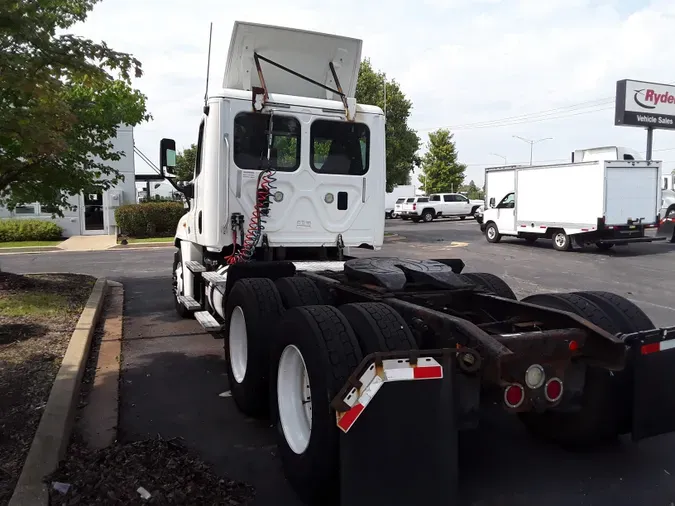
x=377, y=369
x=652, y=354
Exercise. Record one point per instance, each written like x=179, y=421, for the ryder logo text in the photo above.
x=649, y=99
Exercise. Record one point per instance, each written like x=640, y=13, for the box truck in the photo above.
x=606, y=196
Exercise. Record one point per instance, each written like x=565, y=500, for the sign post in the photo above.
x=647, y=105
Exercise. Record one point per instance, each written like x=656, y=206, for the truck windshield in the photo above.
x=250, y=141
x=339, y=147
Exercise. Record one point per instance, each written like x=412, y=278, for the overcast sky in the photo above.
x=549, y=66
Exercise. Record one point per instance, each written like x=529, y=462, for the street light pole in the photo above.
x=500, y=156
x=532, y=143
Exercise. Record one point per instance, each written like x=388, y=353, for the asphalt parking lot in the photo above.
x=173, y=374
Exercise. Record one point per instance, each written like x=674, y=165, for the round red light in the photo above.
x=514, y=395
x=574, y=346
x=554, y=389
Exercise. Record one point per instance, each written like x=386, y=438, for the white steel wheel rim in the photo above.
x=238, y=342
x=491, y=232
x=560, y=239
x=294, y=399
x=179, y=279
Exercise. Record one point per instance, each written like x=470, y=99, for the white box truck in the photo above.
x=606, y=196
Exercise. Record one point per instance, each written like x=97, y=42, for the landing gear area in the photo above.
x=375, y=358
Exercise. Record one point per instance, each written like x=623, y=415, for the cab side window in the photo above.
x=508, y=202
x=448, y=198
x=200, y=142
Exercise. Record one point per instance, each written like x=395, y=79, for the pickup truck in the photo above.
x=453, y=204
x=418, y=208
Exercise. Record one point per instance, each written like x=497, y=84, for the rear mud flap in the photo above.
x=666, y=229
x=653, y=354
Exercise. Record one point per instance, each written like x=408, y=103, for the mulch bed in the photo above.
x=31, y=350
x=165, y=471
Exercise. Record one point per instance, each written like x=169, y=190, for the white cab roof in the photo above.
x=305, y=52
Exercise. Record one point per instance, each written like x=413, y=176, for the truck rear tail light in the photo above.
x=414, y=207
x=514, y=395
x=553, y=390
x=535, y=376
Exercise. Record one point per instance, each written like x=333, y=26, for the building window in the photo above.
x=47, y=209
x=250, y=141
x=25, y=209
x=340, y=148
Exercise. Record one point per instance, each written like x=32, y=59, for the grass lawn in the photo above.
x=134, y=240
x=28, y=244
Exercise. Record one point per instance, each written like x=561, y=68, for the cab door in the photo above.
x=506, y=214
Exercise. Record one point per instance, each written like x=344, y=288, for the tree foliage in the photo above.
x=441, y=170
x=472, y=190
x=402, y=142
x=62, y=98
x=185, y=163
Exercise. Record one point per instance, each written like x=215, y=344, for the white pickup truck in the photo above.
x=438, y=205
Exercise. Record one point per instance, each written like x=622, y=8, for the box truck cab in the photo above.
x=606, y=196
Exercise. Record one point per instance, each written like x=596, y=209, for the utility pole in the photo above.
x=532, y=143
x=500, y=156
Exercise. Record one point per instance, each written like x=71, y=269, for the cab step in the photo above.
x=195, y=266
x=189, y=303
x=214, y=278
x=208, y=322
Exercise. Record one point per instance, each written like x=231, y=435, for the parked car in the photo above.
x=398, y=207
x=478, y=214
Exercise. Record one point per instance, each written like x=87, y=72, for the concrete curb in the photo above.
x=53, y=433
x=142, y=245
x=29, y=249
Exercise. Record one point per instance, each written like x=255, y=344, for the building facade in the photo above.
x=94, y=214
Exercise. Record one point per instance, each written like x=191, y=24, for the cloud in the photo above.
x=460, y=61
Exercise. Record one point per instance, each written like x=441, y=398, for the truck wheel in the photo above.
x=629, y=317
x=428, y=215
x=177, y=282
x=561, y=241
x=378, y=327
x=492, y=233
x=252, y=312
x=299, y=291
x=599, y=418
x=490, y=282
x=313, y=355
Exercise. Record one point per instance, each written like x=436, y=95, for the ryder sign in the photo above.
x=648, y=105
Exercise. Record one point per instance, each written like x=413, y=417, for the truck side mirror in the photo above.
x=167, y=157
x=492, y=202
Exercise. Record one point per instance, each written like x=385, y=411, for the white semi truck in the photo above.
x=288, y=182
x=607, y=196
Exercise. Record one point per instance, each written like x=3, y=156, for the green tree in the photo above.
x=185, y=163
x=402, y=142
x=441, y=171
x=62, y=99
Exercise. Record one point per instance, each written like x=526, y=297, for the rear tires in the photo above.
x=491, y=283
x=600, y=418
x=252, y=312
x=428, y=216
x=378, y=327
x=313, y=355
x=561, y=241
x=492, y=233
x=299, y=291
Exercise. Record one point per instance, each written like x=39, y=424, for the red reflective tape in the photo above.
x=350, y=417
x=435, y=371
x=542, y=226
x=523, y=226
x=584, y=230
x=650, y=348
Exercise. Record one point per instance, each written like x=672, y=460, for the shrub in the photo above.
x=29, y=230
x=150, y=219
